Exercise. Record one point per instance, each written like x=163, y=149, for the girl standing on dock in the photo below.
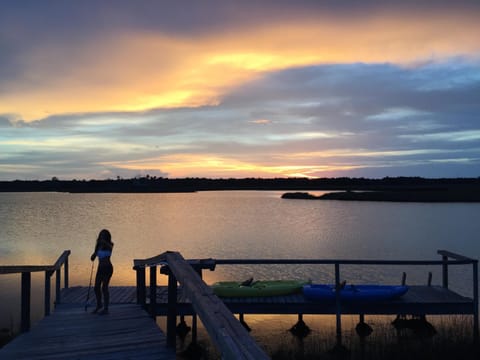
x=103, y=250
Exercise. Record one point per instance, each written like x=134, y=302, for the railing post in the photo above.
x=194, y=315
x=65, y=269
x=141, y=288
x=445, y=271
x=48, y=275
x=337, y=302
x=25, y=301
x=475, y=301
x=153, y=291
x=58, y=276
x=172, y=310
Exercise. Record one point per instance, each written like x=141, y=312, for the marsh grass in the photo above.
x=453, y=339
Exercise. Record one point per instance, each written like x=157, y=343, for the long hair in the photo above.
x=105, y=234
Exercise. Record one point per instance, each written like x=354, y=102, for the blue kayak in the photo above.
x=354, y=293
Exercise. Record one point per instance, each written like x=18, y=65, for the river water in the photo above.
x=36, y=227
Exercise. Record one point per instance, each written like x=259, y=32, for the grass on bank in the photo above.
x=453, y=340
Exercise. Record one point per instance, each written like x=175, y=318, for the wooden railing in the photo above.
x=26, y=271
x=198, y=265
x=445, y=262
x=227, y=333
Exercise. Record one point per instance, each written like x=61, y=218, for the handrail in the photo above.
x=16, y=269
x=455, y=256
x=445, y=262
x=227, y=333
x=155, y=260
x=159, y=260
x=26, y=279
x=211, y=263
x=445, y=256
x=464, y=261
x=61, y=260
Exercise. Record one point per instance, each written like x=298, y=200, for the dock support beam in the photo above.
x=445, y=271
x=153, y=291
x=475, y=302
x=300, y=329
x=172, y=310
x=65, y=272
x=194, y=329
x=26, y=291
x=363, y=329
x=141, y=287
x=337, y=303
x=58, y=279
x=48, y=275
x=194, y=316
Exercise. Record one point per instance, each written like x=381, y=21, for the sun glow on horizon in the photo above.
x=193, y=165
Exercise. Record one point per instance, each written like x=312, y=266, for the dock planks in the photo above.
x=418, y=300
x=128, y=332
x=118, y=295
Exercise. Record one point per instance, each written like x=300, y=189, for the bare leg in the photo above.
x=106, y=294
x=98, y=292
x=105, y=291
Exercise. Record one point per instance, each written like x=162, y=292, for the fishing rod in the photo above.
x=89, y=286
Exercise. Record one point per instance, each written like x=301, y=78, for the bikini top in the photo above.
x=102, y=254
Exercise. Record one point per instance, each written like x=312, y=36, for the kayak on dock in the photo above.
x=317, y=292
x=251, y=288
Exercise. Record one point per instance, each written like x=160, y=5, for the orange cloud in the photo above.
x=138, y=71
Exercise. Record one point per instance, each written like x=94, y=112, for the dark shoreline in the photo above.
x=395, y=188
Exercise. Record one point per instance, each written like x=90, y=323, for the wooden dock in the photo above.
x=420, y=299
x=128, y=332
x=424, y=300
x=70, y=332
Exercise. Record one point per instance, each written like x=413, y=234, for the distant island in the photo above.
x=428, y=195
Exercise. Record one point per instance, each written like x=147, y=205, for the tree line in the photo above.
x=149, y=184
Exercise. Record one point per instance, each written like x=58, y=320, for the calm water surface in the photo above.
x=36, y=227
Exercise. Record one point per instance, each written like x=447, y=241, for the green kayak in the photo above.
x=257, y=288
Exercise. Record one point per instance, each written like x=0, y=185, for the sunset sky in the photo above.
x=221, y=88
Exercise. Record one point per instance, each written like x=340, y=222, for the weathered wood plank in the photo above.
x=455, y=256
x=16, y=269
x=70, y=332
x=118, y=295
x=417, y=295
x=13, y=269
x=224, y=329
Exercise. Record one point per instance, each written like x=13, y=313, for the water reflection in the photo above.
x=36, y=227
x=10, y=286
